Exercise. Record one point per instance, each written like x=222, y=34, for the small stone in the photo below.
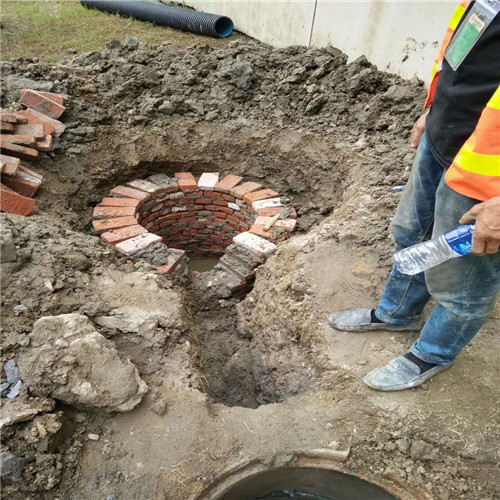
x=20, y=308
x=11, y=371
x=111, y=497
x=131, y=41
x=14, y=390
x=93, y=437
x=11, y=467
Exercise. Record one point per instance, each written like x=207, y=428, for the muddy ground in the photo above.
x=241, y=380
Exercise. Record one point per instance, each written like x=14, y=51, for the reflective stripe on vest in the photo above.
x=475, y=171
x=436, y=69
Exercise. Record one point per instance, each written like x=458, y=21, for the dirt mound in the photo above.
x=230, y=381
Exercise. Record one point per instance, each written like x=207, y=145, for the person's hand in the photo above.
x=418, y=130
x=486, y=236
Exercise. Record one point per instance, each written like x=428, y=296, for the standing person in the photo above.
x=455, y=180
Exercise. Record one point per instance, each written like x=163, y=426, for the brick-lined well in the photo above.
x=162, y=219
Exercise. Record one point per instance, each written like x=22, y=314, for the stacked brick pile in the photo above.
x=209, y=217
x=23, y=134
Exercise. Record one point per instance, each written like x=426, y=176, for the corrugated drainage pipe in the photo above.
x=196, y=22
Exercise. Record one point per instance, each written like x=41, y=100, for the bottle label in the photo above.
x=460, y=239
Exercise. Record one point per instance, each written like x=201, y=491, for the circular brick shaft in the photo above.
x=161, y=219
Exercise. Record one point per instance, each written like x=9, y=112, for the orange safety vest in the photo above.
x=475, y=171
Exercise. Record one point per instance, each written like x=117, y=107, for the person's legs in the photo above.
x=464, y=288
x=404, y=297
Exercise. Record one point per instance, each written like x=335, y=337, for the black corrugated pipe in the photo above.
x=189, y=20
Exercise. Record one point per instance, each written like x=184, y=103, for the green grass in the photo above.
x=47, y=29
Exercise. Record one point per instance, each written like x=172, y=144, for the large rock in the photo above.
x=70, y=361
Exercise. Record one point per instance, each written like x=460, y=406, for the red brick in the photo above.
x=116, y=235
x=49, y=95
x=50, y=126
x=27, y=140
x=229, y=198
x=104, y=212
x=232, y=218
x=228, y=183
x=44, y=144
x=16, y=114
x=272, y=211
x=24, y=182
x=133, y=245
x=203, y=201
x=11, y=164
x=221, y=215
x=126, y=192
x=14, y=203
x=220, y=203
x=102, y=226
x=35, y=100
x=287, y=224
x=120, y=202
x=173, y=261
x=245, y=188
x=186, y=180
x=8, y=117
x=35, y=129
x=259, y=195
x=212, y=194
x=146, y=186
x=17, y=151
x=6, y=127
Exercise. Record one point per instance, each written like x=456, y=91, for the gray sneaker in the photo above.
x=399, y=374
x=360, y=320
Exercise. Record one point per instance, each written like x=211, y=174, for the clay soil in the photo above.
x=240, y=380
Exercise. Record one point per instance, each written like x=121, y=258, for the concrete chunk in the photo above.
x=208, y=180
x=272, y=202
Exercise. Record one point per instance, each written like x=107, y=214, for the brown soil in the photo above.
x=242, y=379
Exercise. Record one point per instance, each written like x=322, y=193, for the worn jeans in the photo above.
x=465, y=288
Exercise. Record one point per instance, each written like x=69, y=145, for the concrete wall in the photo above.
x=398, y=36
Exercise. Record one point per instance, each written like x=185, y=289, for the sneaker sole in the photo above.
x=375, y=327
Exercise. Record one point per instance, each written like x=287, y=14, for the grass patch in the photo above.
x=47, y=29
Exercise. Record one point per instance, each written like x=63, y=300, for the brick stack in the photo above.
x=209, y=216
x=23, y=134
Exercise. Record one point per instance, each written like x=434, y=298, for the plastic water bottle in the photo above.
x=423, y=256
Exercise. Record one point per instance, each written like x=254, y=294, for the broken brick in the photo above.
x=6, y=127
x=11, y=164
x=23, y=182
x=14, y=203
x=243, y=189
x=51, y=126
x=259, y=195
x=173, y=260
x=44, y=144
x=34, y=129
x=101, y=226
x=120, y=202
x=49, y=95
x=18, y=151
x=127, y=192
x=26, y=140
x=103, y=212
x=8, y=117
x=137, y=243
x=186, y=180
x=114, y=236
x=37, y=101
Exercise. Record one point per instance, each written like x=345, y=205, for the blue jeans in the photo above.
x=465, y=289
